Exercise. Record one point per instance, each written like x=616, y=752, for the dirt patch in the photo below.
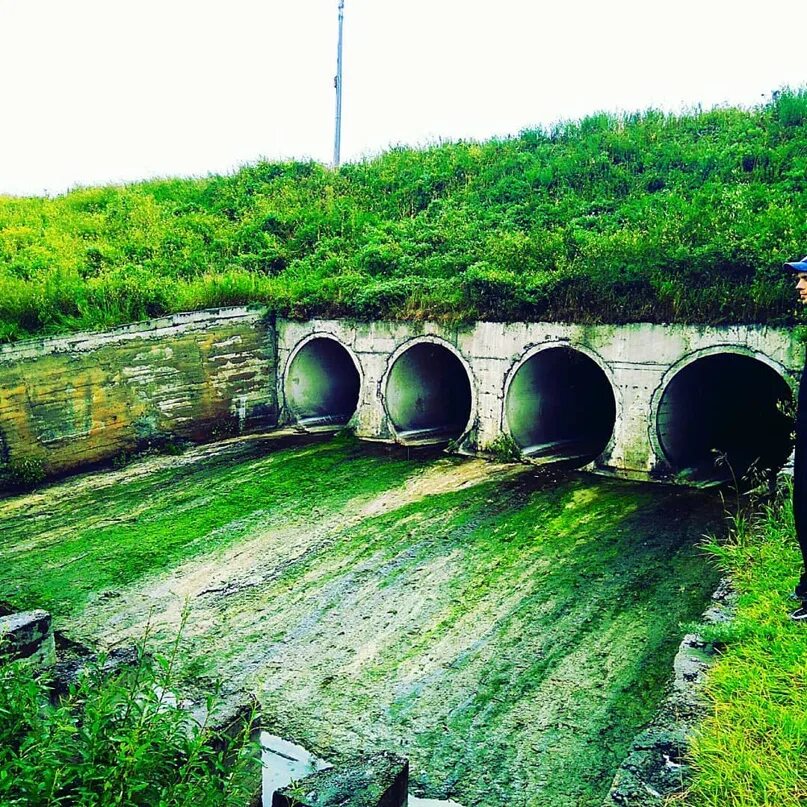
x=199, y=585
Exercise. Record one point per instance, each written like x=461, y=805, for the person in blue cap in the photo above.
x=799, y=268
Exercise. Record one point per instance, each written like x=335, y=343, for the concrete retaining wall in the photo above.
x=70, y=402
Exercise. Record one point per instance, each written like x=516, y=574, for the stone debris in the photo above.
x=284, y=762
x=27, y=635
x=379, y=780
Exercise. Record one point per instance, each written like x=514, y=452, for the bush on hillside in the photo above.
x=647, y=216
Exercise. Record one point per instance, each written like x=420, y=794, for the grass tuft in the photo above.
x=751, y=751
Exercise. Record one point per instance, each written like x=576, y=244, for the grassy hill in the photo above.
x=643, y=217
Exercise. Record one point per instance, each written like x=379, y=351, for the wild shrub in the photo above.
x=115, y=740
x=24, y=473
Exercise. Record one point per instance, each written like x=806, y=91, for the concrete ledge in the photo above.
x=27, y=635
x=380, y=780
x=149, y=328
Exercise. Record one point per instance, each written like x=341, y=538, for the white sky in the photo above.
x=94, y=91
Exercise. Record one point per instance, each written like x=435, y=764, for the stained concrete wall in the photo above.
x=69, y=402
x=638, y=359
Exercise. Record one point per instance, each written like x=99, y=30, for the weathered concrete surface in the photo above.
x=379, y=780
x=506, y=631
x=639, y=360
x=69, y=402
x=74, y=661
x=656, y=768
x=27, y=635
x=283, y=762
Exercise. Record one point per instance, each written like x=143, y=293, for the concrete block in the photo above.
x=379, y=780
x=27, y=635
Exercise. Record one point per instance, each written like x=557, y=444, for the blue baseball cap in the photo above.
x=797, y=266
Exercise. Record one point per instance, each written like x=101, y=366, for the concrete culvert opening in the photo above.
x=428, y=395
x=322, y=385
x=560, y=406
x=721, y=417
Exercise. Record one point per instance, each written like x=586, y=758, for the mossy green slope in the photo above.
x=77, y=540
x=508, y=632
x=524, y=675
x=644, y=217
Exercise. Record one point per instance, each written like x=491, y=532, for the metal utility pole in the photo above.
x=337, y=83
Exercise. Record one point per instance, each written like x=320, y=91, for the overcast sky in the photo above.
x=97, y=91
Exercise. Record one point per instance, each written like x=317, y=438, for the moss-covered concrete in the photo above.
x=509, y=633
x=66, y=404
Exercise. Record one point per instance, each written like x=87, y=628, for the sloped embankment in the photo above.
x=508, y=632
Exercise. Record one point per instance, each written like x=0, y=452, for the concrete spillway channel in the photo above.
x=712, y=416
x=630, y=401
x=560, y=404
x=322, y=385
x=375, y=598
x=724, y=415
x=643, y=402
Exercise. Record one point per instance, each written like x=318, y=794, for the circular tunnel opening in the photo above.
x=560, y=405
x=322, y=385
x=722, y=416
x=428, y=395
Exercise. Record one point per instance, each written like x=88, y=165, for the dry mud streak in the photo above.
x=204, y=586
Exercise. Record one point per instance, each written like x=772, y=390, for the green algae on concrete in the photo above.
x=90, y=537
x=509, y=633
x=73, y=403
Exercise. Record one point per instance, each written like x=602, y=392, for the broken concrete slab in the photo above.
x=27, y=635
x=378, y=780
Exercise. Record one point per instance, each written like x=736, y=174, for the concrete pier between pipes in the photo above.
x=667, y=402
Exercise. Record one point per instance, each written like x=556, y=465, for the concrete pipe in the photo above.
x=322, y=385
x=722, y=416
x=560, y=405
x=428, y=395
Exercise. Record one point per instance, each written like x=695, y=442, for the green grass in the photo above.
x=115, y=739
x=751, y=751
x=612, y=218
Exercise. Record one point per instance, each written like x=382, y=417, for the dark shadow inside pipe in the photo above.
x=322, y=385
x=428, y=395
x=560, y=406
x=721, y=417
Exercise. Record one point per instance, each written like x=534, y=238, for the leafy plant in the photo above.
x=116, y=739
